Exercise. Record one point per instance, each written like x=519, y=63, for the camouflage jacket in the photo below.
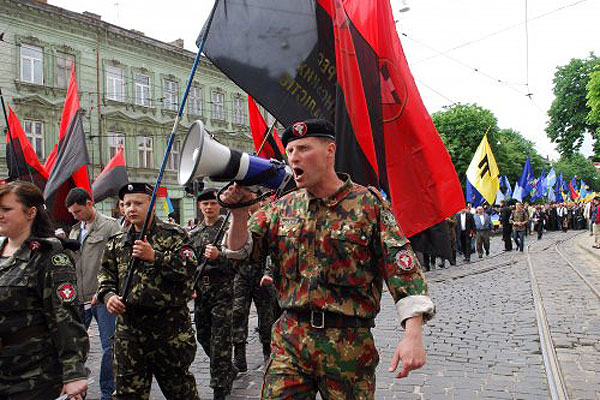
x=38, y=292
x=519, y=219
x=205, y=234
x=164, y=283
x=333, y=254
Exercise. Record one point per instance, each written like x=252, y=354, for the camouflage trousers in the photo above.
x=41, y=392
x=338, y=363
x=246, y=288
x=213, y=314
x=159, y=344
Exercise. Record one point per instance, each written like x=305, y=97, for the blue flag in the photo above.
x=550, y=181
x=508, y=192
x=540, y=186
x=558, y=191
x=525, y=183
x=473, y=196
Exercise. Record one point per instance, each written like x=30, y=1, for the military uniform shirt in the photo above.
x=333, y=254
x=38, y=291
x=203, y=235
x=164, y=283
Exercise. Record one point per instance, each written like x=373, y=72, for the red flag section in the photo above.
x=67, y=164
x=272, y=147
x=111, y=179
x=342, y=60
x=21, y=159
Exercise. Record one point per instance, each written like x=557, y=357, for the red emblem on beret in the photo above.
x=66, y=292
x=187, y=252
x=299, y=129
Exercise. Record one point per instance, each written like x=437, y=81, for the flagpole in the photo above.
x=12, y=143
x=134, y=260
x=269, y=133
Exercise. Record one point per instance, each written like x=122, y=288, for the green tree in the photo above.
x=593, y=103
x=578, y=165
x=569, y=111
x=462, y=127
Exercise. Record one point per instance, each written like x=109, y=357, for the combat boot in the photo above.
x=266, y=351
x=239, y=357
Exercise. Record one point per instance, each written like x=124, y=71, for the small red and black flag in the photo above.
x=67, y=163
x=22, y=162
x=272, y=146
x=111, y=179
x=342, y=60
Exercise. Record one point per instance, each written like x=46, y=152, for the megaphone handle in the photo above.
x=244, y=204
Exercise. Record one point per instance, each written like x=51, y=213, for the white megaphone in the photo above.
x=202, y=156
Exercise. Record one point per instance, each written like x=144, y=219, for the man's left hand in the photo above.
x=410, y=349
x=143, y=250
x=211, y=252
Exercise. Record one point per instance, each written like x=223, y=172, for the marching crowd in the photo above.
x=327, y=247
x=470, y=230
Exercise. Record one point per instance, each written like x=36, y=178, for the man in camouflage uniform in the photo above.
x=246, y=288
x=154, y=335
x=213, y=306
x=332, y=243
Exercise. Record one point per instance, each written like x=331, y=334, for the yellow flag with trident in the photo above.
x=483, y=171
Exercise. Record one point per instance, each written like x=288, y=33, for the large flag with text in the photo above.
x=342, y=60
x=483, y=171
x=21, y=159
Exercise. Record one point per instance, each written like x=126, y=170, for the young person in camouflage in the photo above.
x=247, y=288
x=213, y=306
x=332, y=243
x=154, y=335
x=43, y=344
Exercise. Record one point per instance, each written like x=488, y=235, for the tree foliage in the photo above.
x=569, y=111
x=462, y=127
x=593, y=103
x=578, y=165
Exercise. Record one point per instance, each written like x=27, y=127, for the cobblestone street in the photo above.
x=484, y=342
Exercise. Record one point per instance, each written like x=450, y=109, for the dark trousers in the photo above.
x=506, y=237
x=465, y=243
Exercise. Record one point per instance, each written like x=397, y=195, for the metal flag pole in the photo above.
x=134, y=260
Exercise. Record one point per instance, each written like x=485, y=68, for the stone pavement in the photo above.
x=483, y=342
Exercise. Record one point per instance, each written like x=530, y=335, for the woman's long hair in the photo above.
x=30, y=196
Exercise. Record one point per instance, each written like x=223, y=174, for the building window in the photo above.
x=34, y=130
x=115, y=140
x=64, y=62
x=171, y=95
x=217, y=99
x=32, y=64
x=145, y=152
x=173, y=162
x=239, y=116
x=195, y=101
x=115, y=84
x=142, y=90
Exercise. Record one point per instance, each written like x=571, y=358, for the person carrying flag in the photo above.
x=332, y=244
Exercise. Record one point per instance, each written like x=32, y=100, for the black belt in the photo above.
x=23, y=335
x=325, y=319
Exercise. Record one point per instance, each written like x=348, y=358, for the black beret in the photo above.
x=207, y=194
x=308, y=128
x=135, y=187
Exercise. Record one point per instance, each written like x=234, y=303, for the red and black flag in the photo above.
x=272, y=146
x=21, y=159
x=111, y=179
x=67, y=163
x=342, y=60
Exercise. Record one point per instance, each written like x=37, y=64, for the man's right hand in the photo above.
x=237, y=194
x=115, y=305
